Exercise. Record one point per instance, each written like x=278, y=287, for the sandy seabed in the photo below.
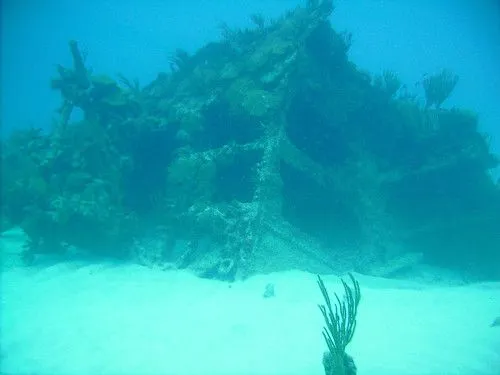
x=75, y=318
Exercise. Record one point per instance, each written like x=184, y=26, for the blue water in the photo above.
x=135, y=38
x=133, y=183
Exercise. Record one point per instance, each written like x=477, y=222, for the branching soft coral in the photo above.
x=340, y=322
x=438, y=87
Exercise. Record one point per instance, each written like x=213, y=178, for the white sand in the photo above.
x=123, y=319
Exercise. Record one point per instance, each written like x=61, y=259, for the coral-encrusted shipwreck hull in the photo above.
x=265, y=151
